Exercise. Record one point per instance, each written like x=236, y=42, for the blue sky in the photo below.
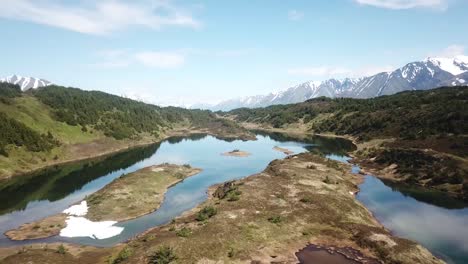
x=172, y=52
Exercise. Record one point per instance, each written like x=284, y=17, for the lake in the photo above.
x=32, y=197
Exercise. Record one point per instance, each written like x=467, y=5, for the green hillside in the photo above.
x=415, y=114
x=417, y=137
x=55, y=124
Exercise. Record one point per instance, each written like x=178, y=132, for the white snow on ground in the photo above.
x=78, y=209
x=82, y=227
x=78, y=226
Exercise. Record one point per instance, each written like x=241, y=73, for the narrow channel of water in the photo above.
x=37, y=196
x=430, y=218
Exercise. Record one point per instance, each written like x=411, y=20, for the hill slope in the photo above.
x=419, y=137
x=54, y=124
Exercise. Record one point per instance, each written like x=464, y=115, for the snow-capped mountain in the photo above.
x=26, y=83
x=421, y=75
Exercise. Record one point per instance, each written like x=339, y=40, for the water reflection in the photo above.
x=57, y=182
x=444, y=231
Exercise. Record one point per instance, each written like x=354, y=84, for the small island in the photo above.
x=284, y=150
x=127, y=197
x=236, y=153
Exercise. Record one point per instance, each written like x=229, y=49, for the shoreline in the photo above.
x=282, y=170
x=186, y=219
x=18, y=234
x=123, y=148
x=364, y=165
x=80, y=159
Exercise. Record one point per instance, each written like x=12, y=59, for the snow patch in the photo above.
x=454, y=66
x=78, y=226
x=77, y=209
x=82, y=227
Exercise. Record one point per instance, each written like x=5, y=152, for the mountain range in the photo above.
x=26, y=83
x=420, y=75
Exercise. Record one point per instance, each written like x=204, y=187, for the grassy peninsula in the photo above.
x=267, y=217
x=127, y=197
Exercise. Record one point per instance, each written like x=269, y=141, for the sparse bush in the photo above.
x=233, y=196
x=163, y=255
x=124, y=254
x=61, y=249
x=206, y=212
x=184, y=232
x=275, y=219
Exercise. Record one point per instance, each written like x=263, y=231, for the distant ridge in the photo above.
x=26, y=83
x=420, y=75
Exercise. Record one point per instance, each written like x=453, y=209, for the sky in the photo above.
x=184, y=52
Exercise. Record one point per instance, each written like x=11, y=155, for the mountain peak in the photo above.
x=419, y=75
x=26, y=83
x=455, y=65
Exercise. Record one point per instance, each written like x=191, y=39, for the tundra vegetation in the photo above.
x=416, y=137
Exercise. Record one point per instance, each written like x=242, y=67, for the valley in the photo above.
x=414, y=137
x=289, y=151
x=51, y=137
x=268, y=214
x=233, y=132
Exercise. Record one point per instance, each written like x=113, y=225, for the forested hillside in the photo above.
x=14, y=132
x=415, y=114
x=54, y=124
x=116, y=116
x=418, y=137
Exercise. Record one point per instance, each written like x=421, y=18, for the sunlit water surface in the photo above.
x=432, y=219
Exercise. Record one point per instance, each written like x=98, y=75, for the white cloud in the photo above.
x=295, y=15
x=98, y=17
x=338, y=72
x=160, y=59
x=450, y=52
x=405, y=4
x=156, y=59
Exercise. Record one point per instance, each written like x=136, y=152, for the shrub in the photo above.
x=124, y=254
x=233, y=196
x=275, y=219
x=163, y=255
x=206, y=212
x=61, y=249
x=184, y=232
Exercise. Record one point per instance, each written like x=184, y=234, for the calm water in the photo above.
x=432, y=219
x=34, y=197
